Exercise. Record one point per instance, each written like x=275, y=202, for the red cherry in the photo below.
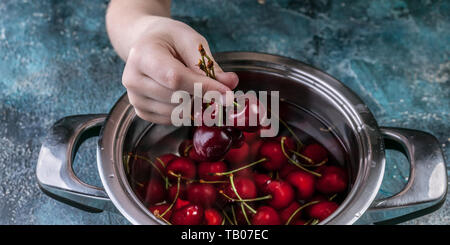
x=303, y=182
x=245, y=187
x=206, y=170
x=254, y=148
x=271, y=150
x=140, y=190
x=161, y=163
x=237, y=137
x=286, y=170
x=333, y=180
x=188, y=215
x=202, y=194
x=261, y=181
x=213, y=108
x=160, y=209
x=180, y=203
x=154, y=192
x=250, y=136
x=266, y=215
x=289, y=143
x=239, y=155
x=315, y=152
x=181, y=166
x=281, y=192
x=322, y=210
x=213, y=217
x=172, y=192
x=253, y=108
x=286, y=213
x=211, y=143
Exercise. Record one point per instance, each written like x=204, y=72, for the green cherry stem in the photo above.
x=212, y=181
x=315, y=222
x=237, y=194
x=295, y=162
x=227, y=217
x=241, y=168
x=234, y=215
x=298, y=210
x=152, y=164
x=245, y=214
x=245, y=200
x=176, y=196
x=309, y=160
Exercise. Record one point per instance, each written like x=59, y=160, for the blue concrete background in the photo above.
x=56, y=60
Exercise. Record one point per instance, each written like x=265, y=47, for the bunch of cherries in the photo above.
x=231, y=175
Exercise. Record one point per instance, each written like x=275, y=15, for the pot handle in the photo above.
x=427, y=184
x=54, y=168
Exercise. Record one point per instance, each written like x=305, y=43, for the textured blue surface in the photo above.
x=56, y=61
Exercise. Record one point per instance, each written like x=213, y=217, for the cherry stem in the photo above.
x=310, y=160
x=226, y=216
x=299, y=142
x=126, y=160
x=245, y=200
x=179, y=176
x=241, y=168
x=186, y=150
x=298, y=210
x=295, y=162
x=332, y=197
x=245, y=214
x=176, y=196
x=234, y=215
x=315, y=222
x=212, y=181
x=237, y=194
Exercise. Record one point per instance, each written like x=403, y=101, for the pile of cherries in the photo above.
x=230, y=175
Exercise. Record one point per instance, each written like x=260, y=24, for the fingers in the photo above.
x=174, y=75
x=149, y=105
x=152, y=117
x=230, y=79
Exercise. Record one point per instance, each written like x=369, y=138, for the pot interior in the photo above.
x=309, y=112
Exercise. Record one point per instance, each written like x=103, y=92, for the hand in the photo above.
x=163, y=60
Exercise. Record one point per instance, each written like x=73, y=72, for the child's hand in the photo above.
x=162, y=60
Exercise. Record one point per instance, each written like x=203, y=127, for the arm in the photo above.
x=161, y=56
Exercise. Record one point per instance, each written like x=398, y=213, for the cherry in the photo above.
x=333, y=180
x=271, y=151
x=316, y=152
x=303, y=182
x=239, y=155
x=289, y=143
x=161, y=163
x=250, y=136
x=241, y=116
x=254, y=148
x=181, y=166
x=213, y=217
x=159, y=209
x=245, y=187
x=286, y=213
x=206, y=170
x=211, y=143
x=281, y=192
x=180, y=203
x=240, y=218
x=140, y=190
x=202, y=194
x=154, y=192
x=286, y=170
x=322, y=209
x=198, y=115
x=261, y=181
x=237, y=137
x=266, y=215
x=172, y=192
x=188, y=215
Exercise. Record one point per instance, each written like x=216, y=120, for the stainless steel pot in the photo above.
x=301, y=86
